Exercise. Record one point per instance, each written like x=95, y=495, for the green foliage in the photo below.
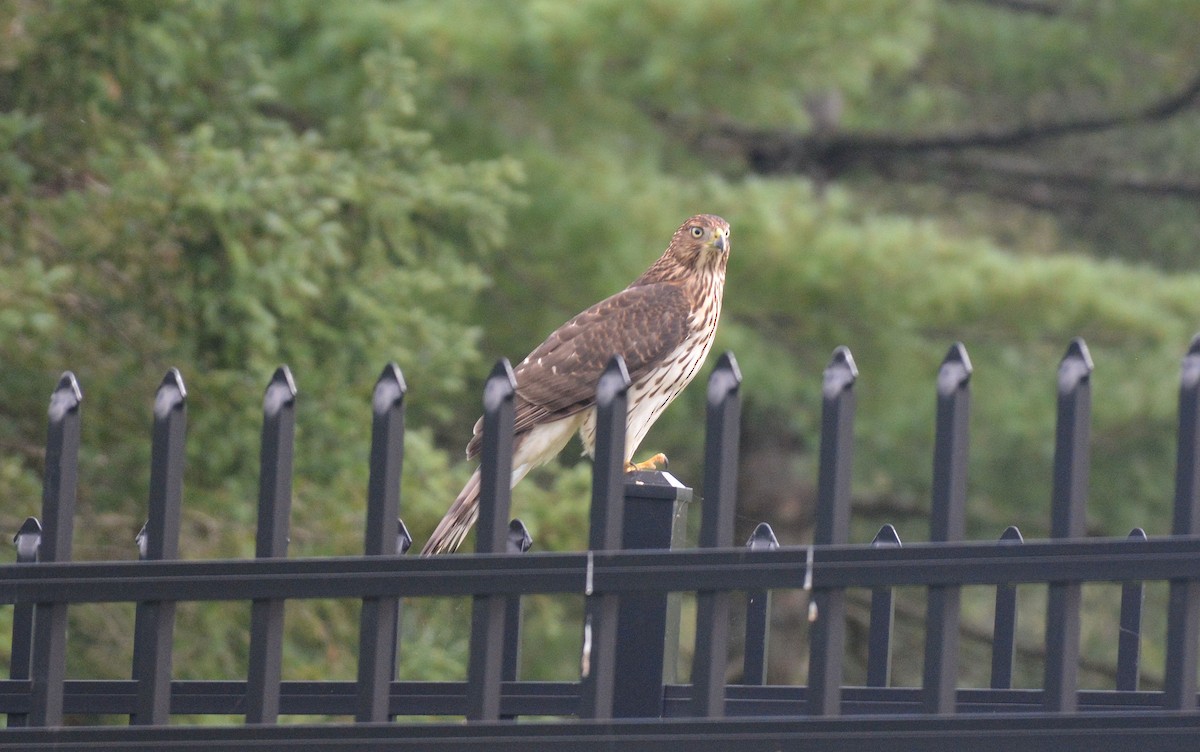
x=225, y=187
x=169, y=215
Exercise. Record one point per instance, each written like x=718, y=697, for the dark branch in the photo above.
x=831, y=154
x=1023, y=6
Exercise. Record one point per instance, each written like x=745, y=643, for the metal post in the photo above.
x=648, y=623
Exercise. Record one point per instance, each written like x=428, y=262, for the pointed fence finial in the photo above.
x=955, y=370
x=389, y=389
x=27, y=540
x=762, y=539
x=840, y=374
x=171, y=394
x=142, y=541
x=1076, y=366
x=887, y=537
x=280, y=392
x=501, y=384
x=66, y=397
x=519, y=539
x=404, y=539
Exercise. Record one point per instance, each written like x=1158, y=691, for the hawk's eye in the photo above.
x=697, y=232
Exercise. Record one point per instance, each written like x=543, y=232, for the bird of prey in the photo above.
x=662, y=325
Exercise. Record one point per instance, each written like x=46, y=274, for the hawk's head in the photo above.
x=698, y=249
x=701, y=241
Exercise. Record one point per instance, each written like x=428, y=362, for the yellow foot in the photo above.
x=651, y=464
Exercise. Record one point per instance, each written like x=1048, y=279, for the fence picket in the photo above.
x=380, y=618
x=947, y=523
x=495, y=497
x=598, y=662
x=154, y=621
x=1129, y=638
x=519, y=541
x=758, y=614
x=49, y=659
x=27, y=540
x=1067, y=510
x=274, y=513
x=716, y=530
x=1004, y=629
x=828, y=634
x=1183, y=596
x=883, y=610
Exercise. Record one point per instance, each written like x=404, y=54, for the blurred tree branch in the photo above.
x=828, y=154
x=1037, y=7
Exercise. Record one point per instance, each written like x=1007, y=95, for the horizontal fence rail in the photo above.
x=626, y=696
x=787, y=567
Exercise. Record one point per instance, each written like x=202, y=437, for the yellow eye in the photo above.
x=697, y=232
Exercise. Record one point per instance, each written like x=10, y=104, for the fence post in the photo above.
x=883, y=610
x=827, y=644
x=724, y=417
x=758, y=614
x=1067, y=521
x=154, y=622
x=274, y=512
x=648, y=623
x=598, y=663
x=379, y=622
x=1004, y=625
x=27, y=540
x=49, y=661
x=495, y=496
x=1183, y=599
x=947, y=523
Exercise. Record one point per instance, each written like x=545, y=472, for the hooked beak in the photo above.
x=721, y=243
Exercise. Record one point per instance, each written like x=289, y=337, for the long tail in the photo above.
x=449, y=533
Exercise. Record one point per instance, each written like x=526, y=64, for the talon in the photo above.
x=651, y=464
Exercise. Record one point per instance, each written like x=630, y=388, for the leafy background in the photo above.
x=225, y=187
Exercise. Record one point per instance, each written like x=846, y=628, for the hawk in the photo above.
x=662, y=325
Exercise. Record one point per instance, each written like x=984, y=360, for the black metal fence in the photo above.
x=623, y=700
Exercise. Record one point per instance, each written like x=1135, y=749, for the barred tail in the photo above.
x=453, y=528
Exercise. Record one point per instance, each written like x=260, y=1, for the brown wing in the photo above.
x=642, y=324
